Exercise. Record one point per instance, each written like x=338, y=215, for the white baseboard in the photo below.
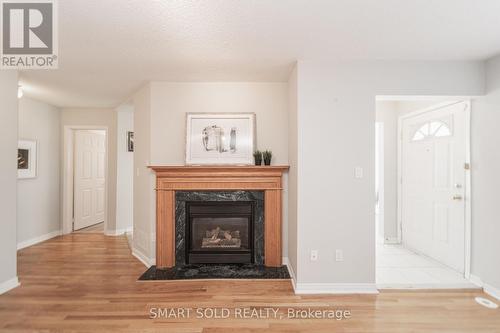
x=8, y=285
x=38, y=239
x=476, y=280
x=336, y=288
x=142, y=257
x=391, y=240
x=426, y=286
x=492, y=291
x=288, y=264
x=488, y=289
x=328, y=288
x=118, y=232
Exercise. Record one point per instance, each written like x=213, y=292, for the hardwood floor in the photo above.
x=88, y=283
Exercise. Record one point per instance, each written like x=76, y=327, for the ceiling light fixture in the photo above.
x=20, y=92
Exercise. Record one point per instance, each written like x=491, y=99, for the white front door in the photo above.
x=433, y=183
x=89, y=178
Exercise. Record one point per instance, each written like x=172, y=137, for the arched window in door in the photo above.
x=432, y=129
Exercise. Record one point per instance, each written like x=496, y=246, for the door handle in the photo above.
x=457, y=197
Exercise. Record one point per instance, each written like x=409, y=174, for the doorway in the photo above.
x=89, y=179
x=433, y=166
x=85, y=176
x=426, y=232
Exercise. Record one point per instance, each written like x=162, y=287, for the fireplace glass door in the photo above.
x=219, y=232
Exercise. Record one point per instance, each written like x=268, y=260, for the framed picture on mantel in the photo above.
x=220, y=138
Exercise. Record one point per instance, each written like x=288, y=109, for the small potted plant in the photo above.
x=257, y=155
x=267, y=155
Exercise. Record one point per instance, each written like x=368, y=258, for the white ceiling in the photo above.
x=109, y=48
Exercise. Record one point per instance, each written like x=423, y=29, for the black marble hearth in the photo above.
x=226, y=271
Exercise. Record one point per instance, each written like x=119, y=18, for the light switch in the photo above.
x=358, y=172
x=339, y=255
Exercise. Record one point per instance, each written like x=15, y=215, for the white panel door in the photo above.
x=89, y=178
x=433, y=184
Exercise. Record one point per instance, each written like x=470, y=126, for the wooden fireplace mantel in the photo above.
x=213, y=178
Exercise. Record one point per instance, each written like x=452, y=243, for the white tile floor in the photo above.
x=398, y=267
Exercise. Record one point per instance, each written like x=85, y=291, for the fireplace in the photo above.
x=175, y=185
x=219, y=232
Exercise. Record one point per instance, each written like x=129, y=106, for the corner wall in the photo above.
x=293, y=137
x=336, y=103
x=485, y=163
x=8, y=179
x=171, y=101
x=38, y=216
x=144, y=181
x=124, y=170
x=160, y=110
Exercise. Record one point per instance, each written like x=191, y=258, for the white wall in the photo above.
x=124, y=170
x=171, y=101
x=485, y=164
x=336, y=103
x=38, y=209
x=8, y=179
x=98, y=117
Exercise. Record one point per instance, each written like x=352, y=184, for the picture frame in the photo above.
x=27, y=157
x=220, y=138
x=130, y=141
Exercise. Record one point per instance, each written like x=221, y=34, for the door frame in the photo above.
x=380, y=176
x=468, y=191
x=68, y=175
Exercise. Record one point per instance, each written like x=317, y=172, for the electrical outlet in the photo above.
x=314, y=255
x=339, y=255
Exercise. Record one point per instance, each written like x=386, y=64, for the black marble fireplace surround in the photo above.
x=185, y=271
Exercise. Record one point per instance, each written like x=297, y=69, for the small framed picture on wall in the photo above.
x=130, y=141
x=220, y=138
x=26, y=159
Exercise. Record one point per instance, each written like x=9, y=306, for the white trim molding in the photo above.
x=118, y=232
x=336, y=288
x=39, y=239
x=488, y=289
x=288, y=264
x=148, y=262
x=8, y=285
x=327, y=288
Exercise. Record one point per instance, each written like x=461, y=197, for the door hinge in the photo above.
x=467, y=166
